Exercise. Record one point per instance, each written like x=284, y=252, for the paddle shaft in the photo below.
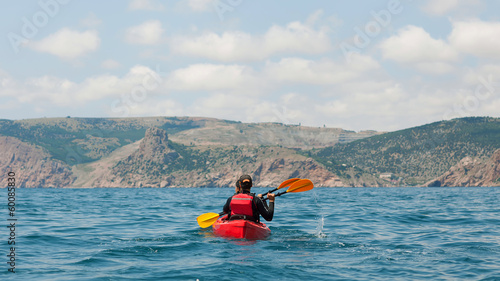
x=299, y=186
x=271, y=191
x=276, y=195
x=286, y=183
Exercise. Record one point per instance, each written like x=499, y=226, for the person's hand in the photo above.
x=259, y=195
x=271, y=197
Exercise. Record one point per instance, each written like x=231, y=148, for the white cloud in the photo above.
x=200, y=5
x=227, y=106
x=230, y=46
x=287, y=109
x=240, y=46
x=157, y=106
x=110, y=64
x=91, y=21
x=357, y=95
x=249, y=108
x=67, y=43
x=151, y=5
x=440, y=7
x=5, y=80
x=210, y=77
x=63, y=92
x=435, y=67
x=282, y=39
x=215, y=103
x=478, y=38
x=444, y=7
x=333, y=108
x=298, y=70
x=487, y=72
x=147, y=33
x=359, y=104
x=292, y=108
x=390, y=108
x=95, y=88
x=233, y=80
x=414, y=46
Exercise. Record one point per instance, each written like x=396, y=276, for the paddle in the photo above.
x=286, y=183
x=208, y=219
x=298, y=186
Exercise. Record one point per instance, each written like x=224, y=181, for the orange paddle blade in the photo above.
x=287, y=183
x=301, y=186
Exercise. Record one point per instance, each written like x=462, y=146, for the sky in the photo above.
x=357, y=65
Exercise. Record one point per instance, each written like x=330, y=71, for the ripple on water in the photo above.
x=336, y=234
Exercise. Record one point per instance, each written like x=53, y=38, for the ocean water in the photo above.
x=322, y=234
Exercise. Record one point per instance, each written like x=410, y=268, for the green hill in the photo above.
x=416, y=155
x=205, y=151
x=82, y=140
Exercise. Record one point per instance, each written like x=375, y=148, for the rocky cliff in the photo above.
x=186, y=152
x=471, y=172
x=156, y=163
x=32, y=165
x=153, y=150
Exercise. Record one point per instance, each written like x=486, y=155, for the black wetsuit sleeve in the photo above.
x=226, y=208
x=265, y=211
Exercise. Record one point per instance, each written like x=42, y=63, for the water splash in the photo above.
x=321, y=218
x=319, y=229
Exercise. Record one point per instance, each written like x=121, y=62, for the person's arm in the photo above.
x=266, y=212
x=226, y=208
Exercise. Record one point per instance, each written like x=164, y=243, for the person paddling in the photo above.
x=246, y=205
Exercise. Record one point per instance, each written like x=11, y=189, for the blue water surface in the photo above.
x=323, y=234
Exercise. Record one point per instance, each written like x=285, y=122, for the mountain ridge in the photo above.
x=197, y=151
x=415, y=155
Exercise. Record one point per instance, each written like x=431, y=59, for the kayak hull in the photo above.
x=240, y=229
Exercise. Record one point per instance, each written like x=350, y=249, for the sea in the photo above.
x=401, y=233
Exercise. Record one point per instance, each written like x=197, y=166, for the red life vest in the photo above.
x=241, y=204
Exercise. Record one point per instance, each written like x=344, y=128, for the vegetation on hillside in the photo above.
x=417, y=154
x=82, y=140
x=407, y=157
x=202, y=159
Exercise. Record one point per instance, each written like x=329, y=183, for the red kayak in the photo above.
x=240, y=229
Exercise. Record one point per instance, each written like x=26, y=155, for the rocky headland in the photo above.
x=470, y=172
x=206, y=152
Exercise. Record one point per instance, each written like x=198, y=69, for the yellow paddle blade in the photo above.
x=288, y=183
x=301, y=186
x=207, y=219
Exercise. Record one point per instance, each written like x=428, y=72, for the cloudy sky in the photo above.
x=358, y=65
